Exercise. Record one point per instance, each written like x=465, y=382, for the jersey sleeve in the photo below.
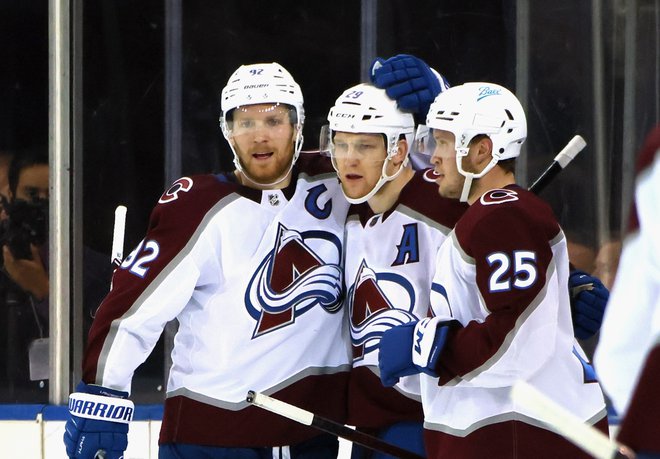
x=152, y=285
x=628, y=354
x=511, y=332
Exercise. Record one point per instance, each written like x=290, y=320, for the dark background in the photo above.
x=124, y=87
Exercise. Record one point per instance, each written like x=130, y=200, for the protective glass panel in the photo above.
x=151, y=104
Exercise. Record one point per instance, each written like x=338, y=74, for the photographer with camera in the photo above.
x=24, y=277
x=24, y=233
x=24, y=283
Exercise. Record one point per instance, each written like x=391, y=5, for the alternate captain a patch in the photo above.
x=292, y=279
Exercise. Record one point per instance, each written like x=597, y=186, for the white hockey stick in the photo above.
x=565, y=423
x=310, y=419
x=565, y=156
x=118, y=236
x=116, y=256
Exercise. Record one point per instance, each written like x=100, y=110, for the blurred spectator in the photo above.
x=24, y=283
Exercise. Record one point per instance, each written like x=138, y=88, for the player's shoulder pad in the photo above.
x=513, y=202
x=315, y=163
x=191, y=198
x=185, y=203
x=197, y=189
x=507, y=211
x=511, y=197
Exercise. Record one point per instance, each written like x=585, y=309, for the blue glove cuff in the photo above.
x=588, y=302
x=100, y=390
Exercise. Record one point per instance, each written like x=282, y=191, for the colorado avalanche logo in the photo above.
x=292, y=279
x=371, y=311
x=183, y=185
x=498, y=196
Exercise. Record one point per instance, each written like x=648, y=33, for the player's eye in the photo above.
x=274, y=122
x=246, y=124
x=365, y=147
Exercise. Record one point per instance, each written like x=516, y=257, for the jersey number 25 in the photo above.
x=518, y=271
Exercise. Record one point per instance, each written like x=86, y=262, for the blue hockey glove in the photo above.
x=588, y=300
x=394, y=355
x=410, y=81
x=410, y=349
x=98, y=423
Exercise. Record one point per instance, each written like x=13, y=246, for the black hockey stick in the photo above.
x=568, y=153
x=310, y=419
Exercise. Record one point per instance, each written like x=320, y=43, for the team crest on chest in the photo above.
x=371, y=310
x=292, y=279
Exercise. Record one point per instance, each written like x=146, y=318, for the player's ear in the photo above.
x=402, y=151
x=484, y=150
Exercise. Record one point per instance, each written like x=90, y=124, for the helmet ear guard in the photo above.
x=365, y=109
x=255, y=84
x=480, y=108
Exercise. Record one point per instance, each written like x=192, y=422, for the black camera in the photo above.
x=26, y=223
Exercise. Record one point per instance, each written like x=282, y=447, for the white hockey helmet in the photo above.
x=365, y=109
x=480, y=108
x=267, y=83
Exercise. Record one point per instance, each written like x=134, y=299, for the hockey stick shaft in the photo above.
x=563, y=158
x=116, y=256
x=560, y=420
x=118, y=236
x=307, y=418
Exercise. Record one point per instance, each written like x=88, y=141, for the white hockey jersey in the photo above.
x=390, y=259
x=628, y=353
x=503, y=273
x=254, y=280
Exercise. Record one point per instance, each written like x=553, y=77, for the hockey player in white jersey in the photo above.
x=500, y=307
x=628, y=353
x=394, y=230
x=248, y=263
x=414, y=85
x=392, y=235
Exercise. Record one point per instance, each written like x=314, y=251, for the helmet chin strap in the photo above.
x=467, y=184
x=384, y=178
x=470, y=176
